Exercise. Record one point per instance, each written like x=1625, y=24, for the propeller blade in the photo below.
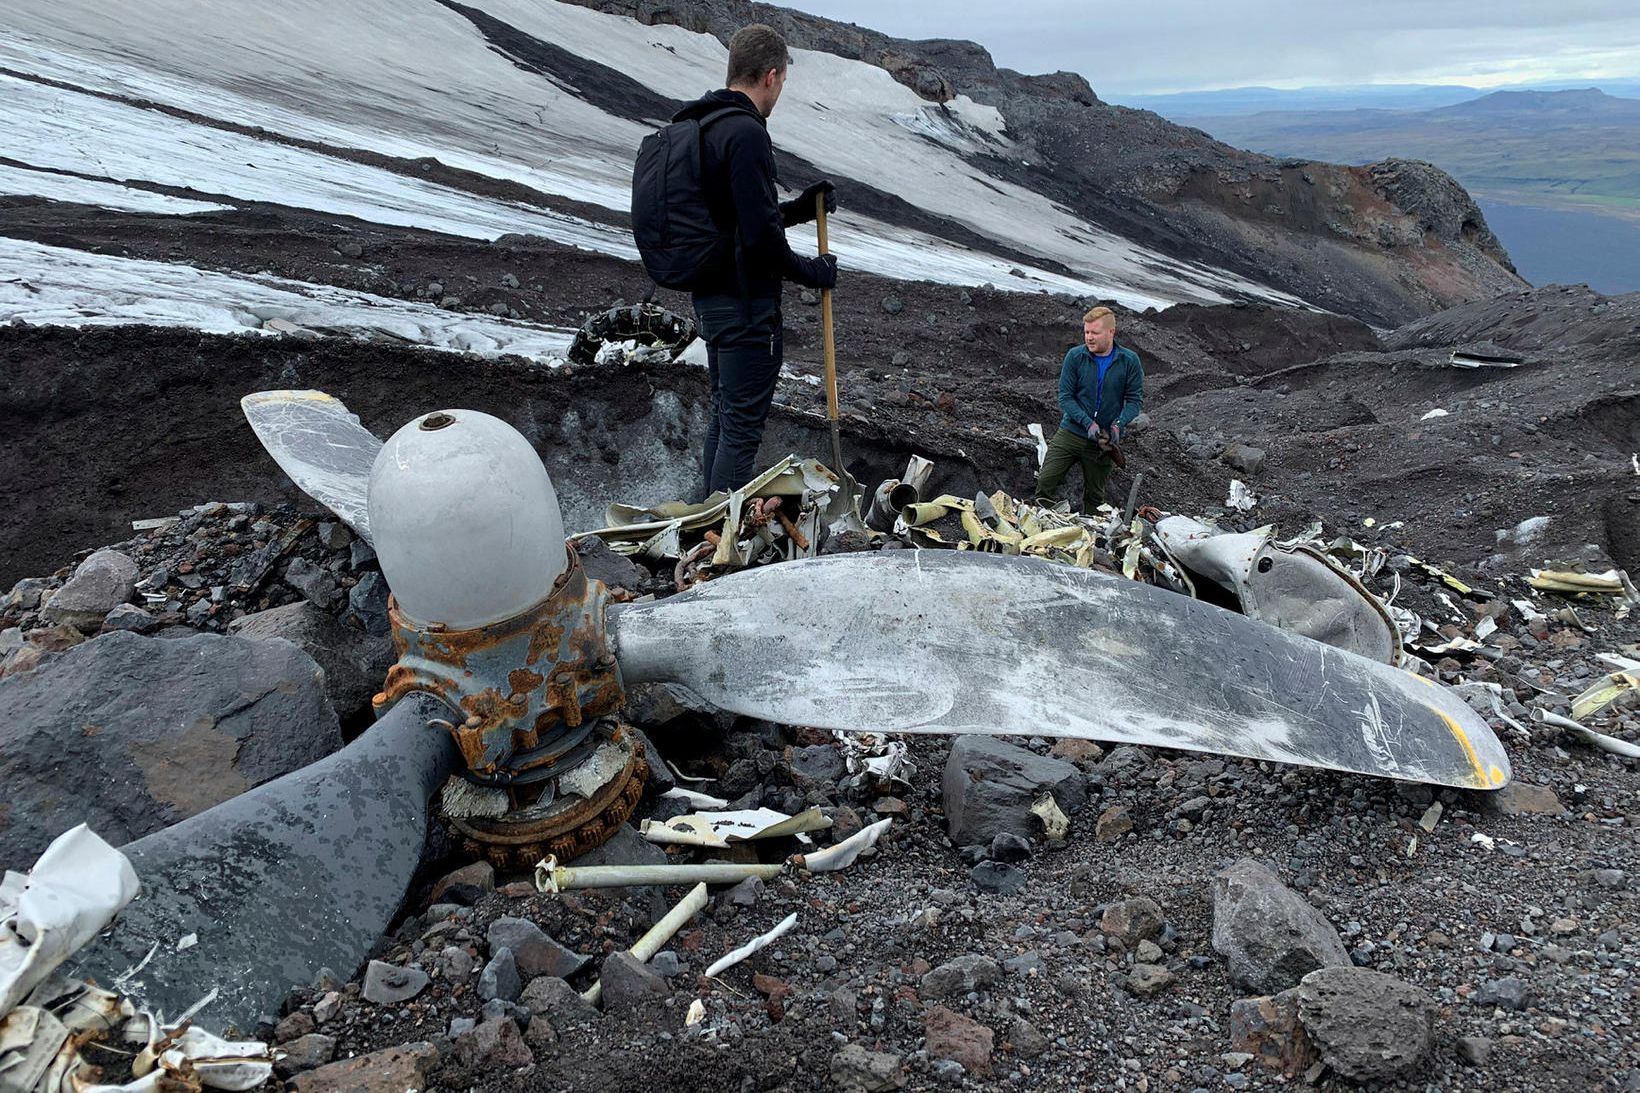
x=320, y=444
x=958, y=642
x=301, y=873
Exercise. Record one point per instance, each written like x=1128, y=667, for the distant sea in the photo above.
x=1555, y=246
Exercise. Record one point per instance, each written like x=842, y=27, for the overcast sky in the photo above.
x=1156, y=46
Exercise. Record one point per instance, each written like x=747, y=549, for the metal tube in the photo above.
x=553, y=878
x=659, y=934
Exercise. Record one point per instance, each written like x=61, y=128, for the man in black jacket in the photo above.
x=738, y=307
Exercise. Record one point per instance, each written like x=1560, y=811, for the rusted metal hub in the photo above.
x=532, y=696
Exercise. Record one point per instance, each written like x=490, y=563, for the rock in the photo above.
x=333, y=535
x=354, y=663
x=388, y=984
x=1132, y=921
x=495, y=1044
x=629, y=984
x=470, y=881
x=627, y=847
x=1084, y=753
x=1123, y=763
x=1027, y=1040
x=327, y=1007
x=817, y=765
x=1147, y=952
x=1269, y=935
x=315, y=584
x=459, y=1025
x=350, y=250
x=1508, y=993
x=367, y=604
x=1268, y=1029
x=54, y=639
x=1113, y=823
x=1367, y=1026
x=745, y=893
x=1524, y=799
x=550, y=998
x=128, y=616
x=998, y=877
x=500, y=976
x=989, y=786
x=294, y=1026
x=394, y=1070
x=536, y=952
x=130, y=734
x=950, y=1035
x=603, y=564
x=360, y=554
x=1248, y=460
x=666, y=964
x=509, y=280
x=1474, y=1050
x=304, y=1053
x=893, y=305
x=455, y=964
x=25, y=596
x=1008, y=847
x=856, y=1070
x=1148, y=980
x=100, y=583
x=959, y=976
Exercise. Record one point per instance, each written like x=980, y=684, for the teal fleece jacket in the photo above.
x=1085, y=400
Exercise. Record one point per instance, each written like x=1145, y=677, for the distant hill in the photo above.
x=1568, y=148
x=1257, y=100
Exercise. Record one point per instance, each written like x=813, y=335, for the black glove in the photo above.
x=822, y=270
x=801, y=209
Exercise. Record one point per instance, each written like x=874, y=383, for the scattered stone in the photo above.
x=989, y=786
x=493, y=1045
x=1508, y=993
x=746, y=892
x=666, y=964
x=500, y=976
x=394, y=1070
x=629, y=984
x=1269, y=935
x=333, y=534
x=130, y=734
x=602, y=564
x=1132, y=921
x=1113, y=823
x=550, y=998
x=25, y=596
x=100, y=583
x=455, y=964
x=1244, y=458
x=817, y=764
x=1268, y=1028
x=1368, y=1027
x=388, y=984
x=1008, y=847
x=367, y=604
x=856, y=1070
x=1148, y=952
x=1084, y=753
x=997, y=877
x=354, y=662
x=293, y=1026
x=950, y=1035
x=315, y=583
x=966, y=973
x=55, y=639
x=304, y=1053
x=1028, y=1041
x=536, y=952
x=1524, y=799
x=128, y=616
x=1474, y=1050
x=1148, y=980
x=327, y=1007
x=893, y=305
x=465, y=885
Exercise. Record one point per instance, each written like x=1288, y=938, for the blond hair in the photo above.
x=1100, y=315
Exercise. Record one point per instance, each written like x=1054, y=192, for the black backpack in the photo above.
x=679, y=242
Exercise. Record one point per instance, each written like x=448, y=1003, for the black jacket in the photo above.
x=737, y=165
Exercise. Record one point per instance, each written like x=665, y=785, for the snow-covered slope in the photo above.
x=239, y=101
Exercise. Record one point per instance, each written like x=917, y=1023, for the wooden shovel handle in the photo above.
x=828, y=341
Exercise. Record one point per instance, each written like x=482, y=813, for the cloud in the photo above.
x=1179, y=45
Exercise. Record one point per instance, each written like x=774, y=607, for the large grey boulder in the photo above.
x=1269, y=935
x=354, y=662
x=101, y=583
x=989, y=787
x=1369, y=1026
x=131, y=734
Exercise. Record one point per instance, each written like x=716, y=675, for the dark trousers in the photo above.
x=744, y=348
x=1066, y=448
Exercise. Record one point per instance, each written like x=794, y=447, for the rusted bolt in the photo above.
x=434, y=422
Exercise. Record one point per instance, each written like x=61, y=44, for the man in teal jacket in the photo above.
x=1101, y=389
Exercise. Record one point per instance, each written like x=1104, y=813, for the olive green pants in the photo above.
x=1066, y=448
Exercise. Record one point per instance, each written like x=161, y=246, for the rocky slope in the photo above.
x=1386, y=242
